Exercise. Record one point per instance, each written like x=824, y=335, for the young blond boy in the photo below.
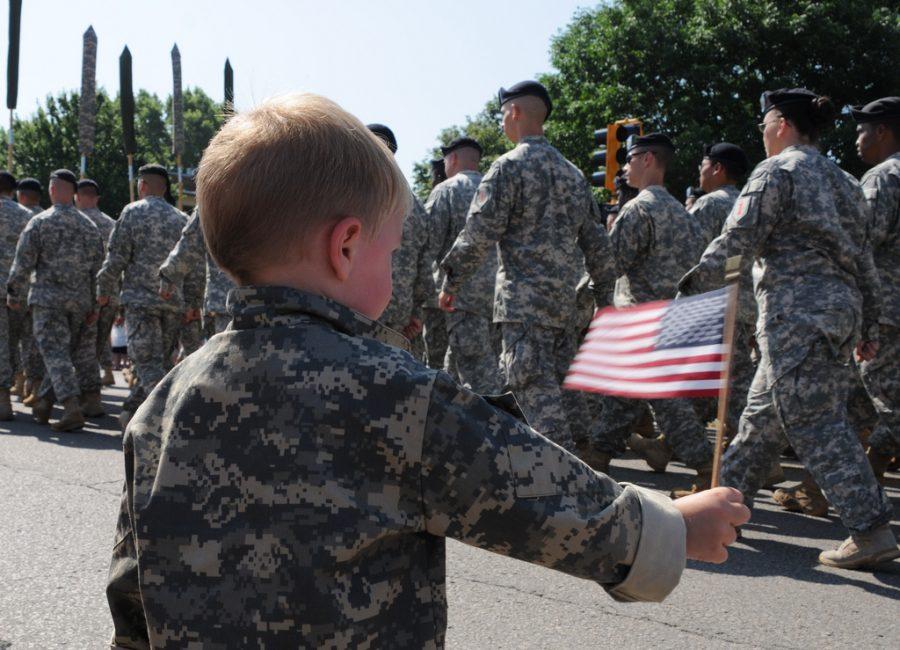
x=291, y=483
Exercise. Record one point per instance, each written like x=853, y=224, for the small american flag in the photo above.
x=670, y=348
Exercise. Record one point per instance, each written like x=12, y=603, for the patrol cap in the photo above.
x=65, y=175
x=30, y=185
x=154, y=170
x=886, y=109
x=87, y=182
x=727, y=153
x=783, y=96
x=641, y=143
x=385, y=134
x=525, y=88
x=460, y=143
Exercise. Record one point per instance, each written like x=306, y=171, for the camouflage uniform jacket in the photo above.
x=13, y=219
x=803, y=221
x=64, y=249
x=144, y=234
x=447, y=208
x=655, y=242
x=710, y=211
x=105, y=225
x=538, y=207
x=881, y=186
x=184, y=267
x=291, y=484
x=412, y=276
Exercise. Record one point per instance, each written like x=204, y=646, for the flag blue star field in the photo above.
x=669, y=348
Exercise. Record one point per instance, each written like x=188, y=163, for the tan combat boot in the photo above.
x=108, y=379
x=41, y=409
x=702, y=481
x=597, y=460
x=91, y=406
x=776, y=475
x=654, y=451
x=806, y=498
x=879, y=463
x=6, y=409
x=18, y=388
x=72, y=418
x=30, y=395
x=863, y=550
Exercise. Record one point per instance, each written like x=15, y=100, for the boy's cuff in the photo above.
x=661, y=552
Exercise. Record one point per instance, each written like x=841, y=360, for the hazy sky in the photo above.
x=415, y=66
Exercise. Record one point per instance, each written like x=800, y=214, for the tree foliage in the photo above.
x=695, y=69
x=48, y=139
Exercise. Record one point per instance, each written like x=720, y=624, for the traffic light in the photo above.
x=610, y=157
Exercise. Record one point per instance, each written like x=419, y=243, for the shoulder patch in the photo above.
x=483, y=196
x=741, y=207
x=755, y=186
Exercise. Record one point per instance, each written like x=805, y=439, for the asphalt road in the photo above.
x=59, y=496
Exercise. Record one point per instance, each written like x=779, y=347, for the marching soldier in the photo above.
x=29, y=192
x=64, y=250
x=144, y=234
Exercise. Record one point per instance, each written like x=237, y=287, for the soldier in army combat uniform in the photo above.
x=293, y=482
x=29, y=192
x=535, y=210
x=470, y=356
x=13, y=219
x=803, y=220
x=64, y=249
x=144, y=234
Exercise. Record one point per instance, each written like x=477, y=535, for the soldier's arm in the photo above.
x=493, y=482
x=187, y=254
x=23, y=263
x=751, y=220
x=631, y=238
x=486, y=222
x=867, y=275
x=423, y=287
x=598, y=256
x=439, y=209
x=405, y=265
x=117, y=257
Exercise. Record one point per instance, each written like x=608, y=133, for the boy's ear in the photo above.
x=343, y=246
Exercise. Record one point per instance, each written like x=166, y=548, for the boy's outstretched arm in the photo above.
x=493, y=482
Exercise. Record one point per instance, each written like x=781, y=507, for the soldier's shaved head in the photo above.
x=462, y=159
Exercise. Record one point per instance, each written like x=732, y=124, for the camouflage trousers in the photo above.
x=435, y=336
x=68, y=347
x=881, y=376
x=190, y=337
x=152, y=337
x=532, y=369
x=29, y=355
x=579, y=406
x=471, y=357
x=11, y=323
x=806, y=404
x=104, y=327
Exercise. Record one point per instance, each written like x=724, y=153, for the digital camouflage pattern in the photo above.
x=105, y=225
x=471, y=358
x=13, y=219
x=710, y=211
x=181, y=269
x=412, y=272
x=152, y=339
x=140, y=242
x=322, y=523
x=536, y=209
x=816, y=288
x=655, y=242
x=64, y=250
x=881, y=187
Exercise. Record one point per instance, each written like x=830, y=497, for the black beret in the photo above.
x=639, y=143
x=65, y=175
x=154, y=170
x=459, y=143
x=523, y=88
x=8, y=178
x=885, y=109
x=726, y=152
x=385, y=134
x=31, y=185
x=87, y=182
x=437, y=163
x=775, y=98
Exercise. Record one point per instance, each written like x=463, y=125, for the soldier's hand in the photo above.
x=413, y=328
x=190, y=316
x=12, y=304
x=165, y=290
x=711, y=517
x=91, y=318
x=866, y=350
x=103, y=301
x=445, y=301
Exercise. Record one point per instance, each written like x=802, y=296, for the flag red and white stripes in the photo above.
x=670, y=348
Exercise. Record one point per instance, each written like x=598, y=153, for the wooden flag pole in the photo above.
x=9, y=145
x=732, y=275
x=131, y=177
x=180, y=182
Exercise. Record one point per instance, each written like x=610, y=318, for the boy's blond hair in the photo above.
x=275, y=174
